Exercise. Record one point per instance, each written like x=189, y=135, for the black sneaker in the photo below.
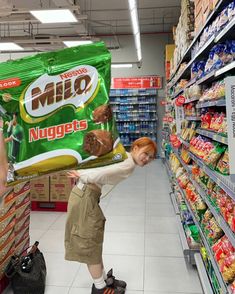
x=107, y=290
x=114, y=283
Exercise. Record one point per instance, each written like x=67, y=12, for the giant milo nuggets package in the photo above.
x=56, y=112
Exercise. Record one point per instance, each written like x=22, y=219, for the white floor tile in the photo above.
x=59, y=271
x=128, y=208
x=163, y=245
x=127, y=268
x=56, y=290
x=43, y=220
x=80, y=290
x=125, y=224
x=35, y=235
x=52, y=241
x=160, y=224
x=159, y=209
x=59, y=224
x=124, y=243
x=170, y=274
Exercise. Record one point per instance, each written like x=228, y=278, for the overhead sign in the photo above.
x=145, y=82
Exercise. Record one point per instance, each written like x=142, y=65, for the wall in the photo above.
x=153, y=52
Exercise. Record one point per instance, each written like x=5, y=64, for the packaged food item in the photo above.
x=58, y=113
x=223, y=164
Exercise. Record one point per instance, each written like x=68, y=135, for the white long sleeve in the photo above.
x=108, y=175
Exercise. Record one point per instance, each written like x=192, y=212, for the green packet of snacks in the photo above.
x=56, y=112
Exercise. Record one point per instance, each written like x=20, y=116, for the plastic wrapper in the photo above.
x=57, y=114
x=223, y=164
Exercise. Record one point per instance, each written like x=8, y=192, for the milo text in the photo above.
x=49, y=93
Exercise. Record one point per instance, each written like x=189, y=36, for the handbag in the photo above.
x=27, y=271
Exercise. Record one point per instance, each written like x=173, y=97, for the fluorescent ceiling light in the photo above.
x=54, y=15
x=10, y=46
x=135, y=27
x=77, y=43
x=118, y=65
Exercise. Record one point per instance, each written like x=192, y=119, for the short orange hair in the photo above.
x=146, y=142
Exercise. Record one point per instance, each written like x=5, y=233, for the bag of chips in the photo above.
x=56, y=111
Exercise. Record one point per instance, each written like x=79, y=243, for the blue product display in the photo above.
x=135, y=111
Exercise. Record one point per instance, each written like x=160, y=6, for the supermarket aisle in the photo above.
x=141, y=242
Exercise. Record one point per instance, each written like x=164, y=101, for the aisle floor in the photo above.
x=142, y=244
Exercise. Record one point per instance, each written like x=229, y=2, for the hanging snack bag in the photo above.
x=56, y=111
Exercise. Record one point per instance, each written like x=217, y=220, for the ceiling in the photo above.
x=97, y=19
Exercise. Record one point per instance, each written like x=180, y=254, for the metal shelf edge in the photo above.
x=205, y=282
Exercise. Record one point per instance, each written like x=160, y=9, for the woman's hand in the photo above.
x=73, y=174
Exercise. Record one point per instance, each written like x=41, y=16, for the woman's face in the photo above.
x=141, y=156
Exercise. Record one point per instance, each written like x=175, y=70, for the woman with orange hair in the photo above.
x=84, y=229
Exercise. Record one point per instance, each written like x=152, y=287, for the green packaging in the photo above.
x=56, y=111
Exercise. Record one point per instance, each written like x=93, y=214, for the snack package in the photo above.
x=56, y=111
x=223, y=164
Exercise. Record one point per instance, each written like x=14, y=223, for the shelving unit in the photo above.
x=135, y=111
x=225, y=182
x=188, y=252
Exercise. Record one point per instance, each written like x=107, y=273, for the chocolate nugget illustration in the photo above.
x=102, y=114
x=98, y=142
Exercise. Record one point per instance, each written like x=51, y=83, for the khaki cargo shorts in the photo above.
x=84, y=231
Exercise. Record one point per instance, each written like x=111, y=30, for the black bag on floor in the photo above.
x=27, y=272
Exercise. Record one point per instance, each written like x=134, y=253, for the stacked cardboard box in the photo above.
x=40, y=189
x=184, y=32
x=169, y=52
x=60, y=187
x=54, y=188
x=202, y=10
x=14, y=223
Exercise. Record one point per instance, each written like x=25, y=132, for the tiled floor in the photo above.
x=141, y=241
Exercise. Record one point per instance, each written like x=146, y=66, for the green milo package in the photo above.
x=56, y=111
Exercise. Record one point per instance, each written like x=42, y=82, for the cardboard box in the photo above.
x=22, y=211
x=20, y=236
x=21, y=188
x=7, y=237
x=60, y=187
x=39, y=189
x=169, y=51
x=7, y=250
x=23, y=222
x=59, y=192
x=23, y=245
x=7, y=224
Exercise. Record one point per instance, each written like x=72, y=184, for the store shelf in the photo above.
x=207, y=78
x=208, y=249
x=185, y=143
x=204, y=279
x=132, y=95
x=223, y=181
x=229, y=27
x=219, y=102
x=131, y=103
x=174, y=203
x=193, y=117
x=135, y=111
x=136, y=119
x=219, y=218
x=137, y=132
x=191, y=100
x=213, y=135
x=213, y=39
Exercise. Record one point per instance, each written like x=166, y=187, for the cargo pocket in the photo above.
x=96, y=223
x=81, y=241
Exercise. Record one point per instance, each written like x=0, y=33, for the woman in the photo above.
x=84, y=229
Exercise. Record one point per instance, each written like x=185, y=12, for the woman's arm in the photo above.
x=3, y=161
